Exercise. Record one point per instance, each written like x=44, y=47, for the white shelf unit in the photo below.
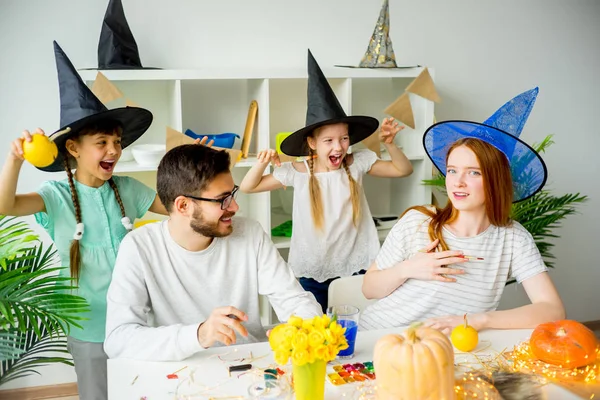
x=216, y=100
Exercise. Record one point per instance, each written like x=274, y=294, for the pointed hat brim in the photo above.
x=528, y=170
x=359, y=128
x=133, y=120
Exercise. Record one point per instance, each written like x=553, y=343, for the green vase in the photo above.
x=309, y=380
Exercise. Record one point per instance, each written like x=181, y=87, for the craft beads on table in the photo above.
x=348, y=373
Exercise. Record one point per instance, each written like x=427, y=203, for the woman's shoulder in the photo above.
x=413, y=219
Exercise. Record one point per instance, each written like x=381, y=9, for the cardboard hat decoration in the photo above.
x=501, y=130
x=80, y=108
x=117, y=48
x=325, y=109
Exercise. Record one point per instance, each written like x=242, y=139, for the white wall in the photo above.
x=484, y=53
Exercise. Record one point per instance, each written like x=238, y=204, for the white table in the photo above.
x=134, y=380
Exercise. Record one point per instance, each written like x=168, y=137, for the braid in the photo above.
x=124, y=220
x=315, y=194
x=74, y=255
x=354, y=194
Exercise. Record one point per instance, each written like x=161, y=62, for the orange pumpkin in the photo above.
x=418, y=364
x=566, y=343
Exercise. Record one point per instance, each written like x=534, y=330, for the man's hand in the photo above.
x=221, y=327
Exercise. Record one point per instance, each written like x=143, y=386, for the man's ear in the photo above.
x=183, y=205
x=71, y=147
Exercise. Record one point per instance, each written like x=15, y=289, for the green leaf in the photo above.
x=37, y=306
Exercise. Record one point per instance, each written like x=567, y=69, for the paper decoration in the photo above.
x=176, y=138
x=423, y=86
x=105, y=90
x=402, y=110
x=372, y=143
x=130, y=103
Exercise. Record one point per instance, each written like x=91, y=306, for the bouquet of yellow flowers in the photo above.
x=306, y=341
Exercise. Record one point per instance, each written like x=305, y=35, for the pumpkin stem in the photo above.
x=561, y=332
x=465, y=318
x=412, y=331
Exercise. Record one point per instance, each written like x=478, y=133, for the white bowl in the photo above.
x=126, y=155
x=148, y=155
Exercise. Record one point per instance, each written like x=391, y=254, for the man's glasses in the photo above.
x=225, y=201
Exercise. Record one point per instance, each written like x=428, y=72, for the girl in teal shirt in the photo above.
x=88, y=214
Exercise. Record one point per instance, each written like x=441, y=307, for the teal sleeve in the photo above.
x=143, y=196
x=52, y=204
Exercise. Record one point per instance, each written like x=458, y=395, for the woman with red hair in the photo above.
x=438, y=264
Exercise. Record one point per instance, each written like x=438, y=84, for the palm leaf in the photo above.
x=10, y=345
x=16, y=237
x=35, y=352
x=37, y=308
x=542, y=214
x=28, y=292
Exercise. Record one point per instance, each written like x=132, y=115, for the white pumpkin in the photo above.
x=415, y=365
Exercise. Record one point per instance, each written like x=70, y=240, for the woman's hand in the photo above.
x=432, y=266
x=447, y=323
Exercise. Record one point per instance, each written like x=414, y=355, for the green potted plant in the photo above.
x=37, y=306
x=540, y=214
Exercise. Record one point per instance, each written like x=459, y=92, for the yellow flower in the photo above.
x=305, y=341
x=322, y=352
x=288, y=332
x=295, y=321
x=276, y=336
x=300, y=357
x=307, y=324
x=316, y=338
x=336, y=329
x=300, y=341
x=281, y=357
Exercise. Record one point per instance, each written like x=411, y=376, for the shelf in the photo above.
x=132, y=166
x=412, y=157
x=246, y=73
x=284, y=242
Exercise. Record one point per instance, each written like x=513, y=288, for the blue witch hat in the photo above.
x=501, y=130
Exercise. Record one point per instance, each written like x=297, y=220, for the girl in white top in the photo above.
x=438, y=264
x=333, y=233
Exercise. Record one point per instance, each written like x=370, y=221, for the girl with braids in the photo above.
x=88, y=213
x=333, y=233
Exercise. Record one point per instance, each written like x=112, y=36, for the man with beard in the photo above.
x=193, y=281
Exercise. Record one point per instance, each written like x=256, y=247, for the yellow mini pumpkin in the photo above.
x=418, y=364
x=464, y=337
x=41, y=151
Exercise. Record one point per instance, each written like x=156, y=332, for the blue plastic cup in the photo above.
x=347, y=316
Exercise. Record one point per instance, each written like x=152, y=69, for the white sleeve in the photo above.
x=128, y=334
x=276, y=281
x=526, y=259
x=285, y=174
x=364, y=160
x=396, y=247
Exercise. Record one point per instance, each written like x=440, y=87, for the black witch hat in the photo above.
x=117, y=48
x=325, y=109
x=79, y=107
